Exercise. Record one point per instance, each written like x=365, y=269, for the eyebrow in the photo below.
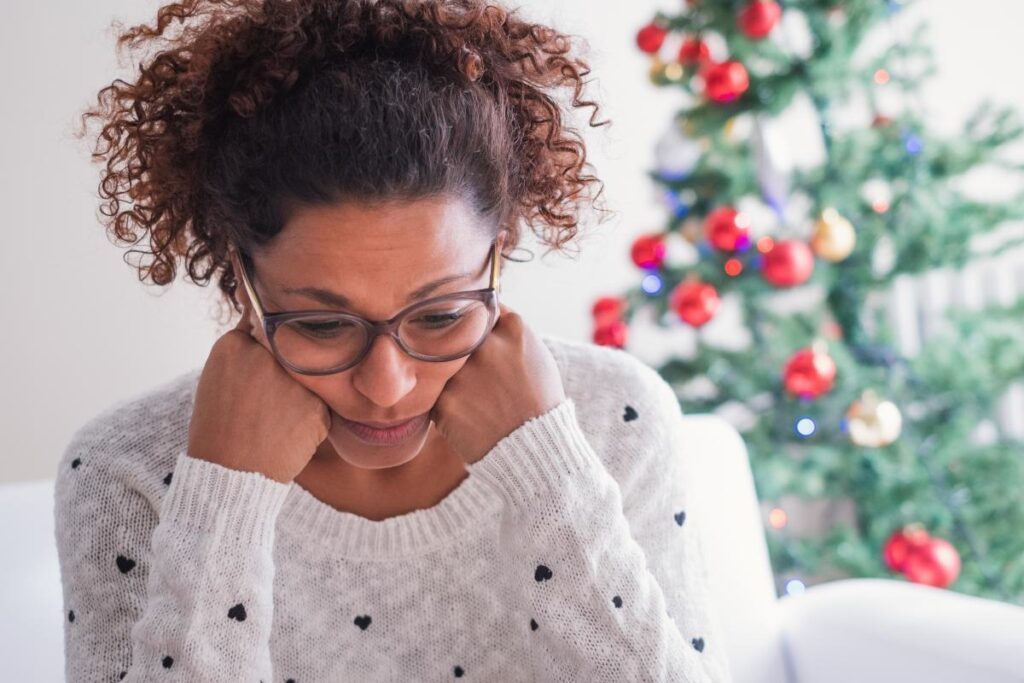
x=330, y=298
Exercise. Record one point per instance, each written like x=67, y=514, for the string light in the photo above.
x=913, y=145
x=733, y=267
x=651, y=283
x=777, y=518
x=795, y=587
x=805, y=427
x=679, y=208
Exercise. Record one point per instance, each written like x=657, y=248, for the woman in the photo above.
x=354, y=172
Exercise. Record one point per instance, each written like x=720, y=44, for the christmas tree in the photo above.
x=835, y=417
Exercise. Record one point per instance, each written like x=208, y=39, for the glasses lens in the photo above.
x=441, y=329
x=447, y=327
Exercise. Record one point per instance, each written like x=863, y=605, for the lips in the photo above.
x=386, y=425
x=384, y=437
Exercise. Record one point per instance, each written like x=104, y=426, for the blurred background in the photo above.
x=817, y=238
x=839, y=274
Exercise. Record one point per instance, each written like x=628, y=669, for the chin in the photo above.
x=366, y=456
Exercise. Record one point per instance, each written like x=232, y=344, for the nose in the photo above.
x=386, y=374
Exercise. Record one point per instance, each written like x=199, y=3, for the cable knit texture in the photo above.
x=569, y=553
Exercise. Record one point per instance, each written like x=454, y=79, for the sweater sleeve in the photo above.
x=182, y=593
x=600, y=600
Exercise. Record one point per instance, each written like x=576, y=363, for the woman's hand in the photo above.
x=507, y=380
x=250, y=414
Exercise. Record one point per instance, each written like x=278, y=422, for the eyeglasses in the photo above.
x=322, y=342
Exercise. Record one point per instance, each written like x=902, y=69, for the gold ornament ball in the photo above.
x=673, y=72
x=656, y=70
x=873, y=423
x=834, y=237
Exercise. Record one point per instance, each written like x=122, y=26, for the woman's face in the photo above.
x=374, y=258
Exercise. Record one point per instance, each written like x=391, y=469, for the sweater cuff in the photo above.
x=238, y=505
x=540, y=457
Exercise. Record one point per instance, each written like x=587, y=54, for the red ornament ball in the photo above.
x=651, y=37
x=727, y=229
x=608, y=309
x=758, y=18
x=936, y=563
x=648, y=251
x=694, y=51
x=788, y=263
x=809, y=373
x=614, y=334
x=695, y=302
x=902, y=543
x=725, y=81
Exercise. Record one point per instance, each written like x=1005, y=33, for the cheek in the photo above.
x=324, y=386
x=445, y=371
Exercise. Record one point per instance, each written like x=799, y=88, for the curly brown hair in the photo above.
x=255, y=105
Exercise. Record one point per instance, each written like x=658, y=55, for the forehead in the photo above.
x=372, y=260
x=362, y=232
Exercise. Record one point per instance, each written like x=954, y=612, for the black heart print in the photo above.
x=542, y=573
x=124, y=564
x=459, y=672
x=698, y=644
x=167, y=662
x=533, y=625
x=617, y=601
x=237, y=612
x=680, y=517
x=630, y=414
x=167, y=479
x=75, y=463
x=363, y=622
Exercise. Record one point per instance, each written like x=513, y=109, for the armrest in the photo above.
x=887, y=630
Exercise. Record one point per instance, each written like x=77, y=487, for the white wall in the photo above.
x=83, y=332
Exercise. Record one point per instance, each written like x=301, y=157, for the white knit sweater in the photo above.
x=567, y=554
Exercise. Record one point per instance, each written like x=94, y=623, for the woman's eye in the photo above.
x=437, y=320
x=323, y=329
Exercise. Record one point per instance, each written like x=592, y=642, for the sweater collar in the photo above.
x=468, y=507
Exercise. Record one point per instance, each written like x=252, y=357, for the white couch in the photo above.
x=861, y=630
